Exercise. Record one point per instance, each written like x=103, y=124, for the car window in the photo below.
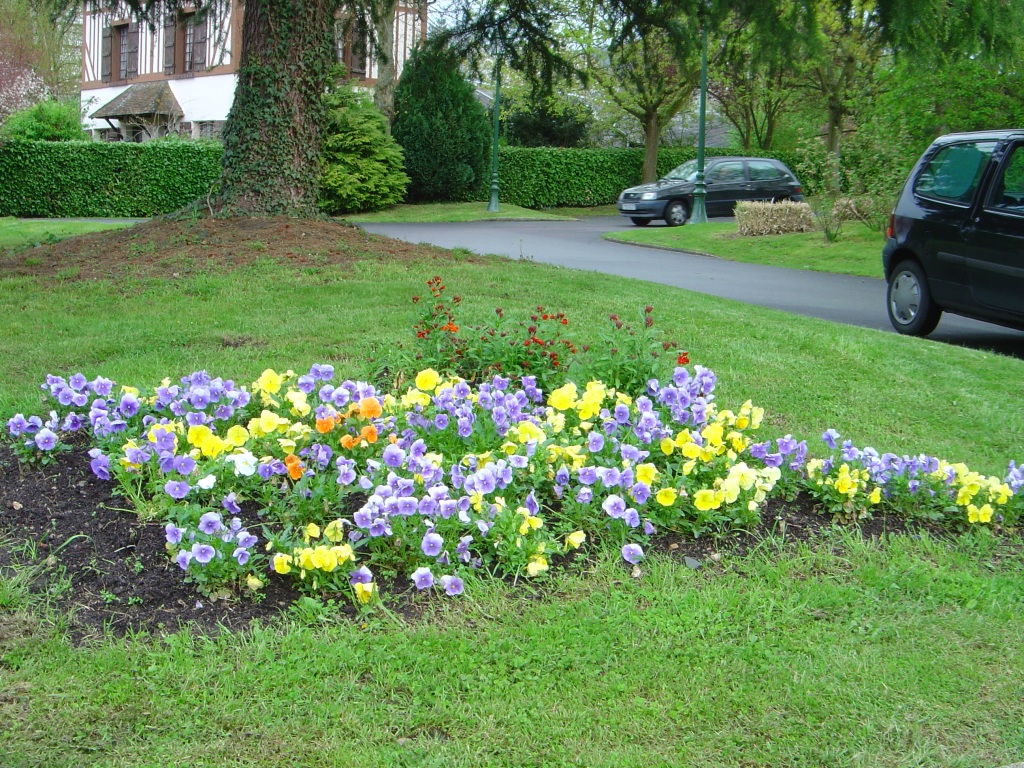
x=687, y=171
x=953, y=173
x=726, y=172
x=1008, y=191
x=762, y=170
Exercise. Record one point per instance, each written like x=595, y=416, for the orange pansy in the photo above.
x=294, y=464
x=369, y=433
x=369, y=408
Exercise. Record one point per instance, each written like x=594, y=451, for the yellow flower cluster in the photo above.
x=972, y=488
x=322, y=557
x=741, y=478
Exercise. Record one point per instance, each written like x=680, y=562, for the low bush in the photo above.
x=755, y=219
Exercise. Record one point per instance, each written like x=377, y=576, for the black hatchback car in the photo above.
x=728, y=180
x=956, y=237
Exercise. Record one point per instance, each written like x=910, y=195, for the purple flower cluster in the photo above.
x=213, y=539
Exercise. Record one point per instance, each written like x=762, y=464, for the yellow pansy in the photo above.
x=312, y=531
x=529, y=432
x=305, y=557
x=324, y=558
x=287, y=445
x=344, y=553
x=269, y=381
x=706, y=499
x=538, y=564
x=198, y=433
x=282, y=563
x=334, y=532
x=237, y=435
x=646, y=473
x=563, y=398
x=364, y=592
x=729, y=490
x=667, y=445
x=414, y=397
x=253, y=582
x=297, y=398
x=575, y=539
x=666, y=497
x=875, y=496
x=427, y=379
x=979, y=515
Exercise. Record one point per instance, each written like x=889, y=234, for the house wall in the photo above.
x=206, y=94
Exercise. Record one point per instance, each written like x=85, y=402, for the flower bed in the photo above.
x=331, y=484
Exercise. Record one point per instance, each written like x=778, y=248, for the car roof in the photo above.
x=994, y=135
x=720, y=158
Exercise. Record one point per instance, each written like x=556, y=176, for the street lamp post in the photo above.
x=699, y=214
x=492, y=206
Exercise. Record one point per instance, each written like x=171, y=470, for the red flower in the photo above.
x=683, y=358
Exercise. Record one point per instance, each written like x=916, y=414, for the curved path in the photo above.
x=578, y=244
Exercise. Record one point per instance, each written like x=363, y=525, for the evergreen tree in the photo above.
x=362, y=163
x=441, y=126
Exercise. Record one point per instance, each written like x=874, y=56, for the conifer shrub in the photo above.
x=442, y=128
x=362, y=164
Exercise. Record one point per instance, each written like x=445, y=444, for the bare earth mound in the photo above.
x=178, y=248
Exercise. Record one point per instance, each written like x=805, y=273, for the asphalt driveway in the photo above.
x=578, y=244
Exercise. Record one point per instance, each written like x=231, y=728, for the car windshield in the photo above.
x=685, y=172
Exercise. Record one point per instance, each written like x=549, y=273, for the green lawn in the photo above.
x=852, y=654
x=857, y=251
x=25, y=233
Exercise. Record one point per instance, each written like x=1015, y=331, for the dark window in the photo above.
x=762, y=170
x=190, y=44
x=726, y=172
x=1008, y=191
x=122, y=51
x=953, y=173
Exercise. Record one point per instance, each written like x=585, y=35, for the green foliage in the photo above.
x=46, y=121
x=550, y=177
x=549, y=122
x=58, y=179
x=362, y=163
x=441, y=126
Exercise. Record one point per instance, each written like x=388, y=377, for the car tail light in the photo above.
x=890, y=231
x=799, y=189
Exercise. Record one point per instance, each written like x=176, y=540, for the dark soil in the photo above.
x=177, y=248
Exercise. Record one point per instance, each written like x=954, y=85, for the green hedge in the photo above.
x=551, y=177
x=44, y=179
x=68, y=179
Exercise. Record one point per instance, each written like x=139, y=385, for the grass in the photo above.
x=449, y=212
x=16, y=234
x=907, y=653
x=808, y=374
x=858, y=251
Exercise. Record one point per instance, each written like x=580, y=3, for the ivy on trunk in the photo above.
x=272, y=138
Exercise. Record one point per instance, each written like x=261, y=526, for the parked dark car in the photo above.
x=728, y=181
x=956, y=237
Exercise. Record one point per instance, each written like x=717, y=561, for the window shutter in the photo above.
x=105, y=53
x=199, y=47
x=169, y=35
x=133, y=50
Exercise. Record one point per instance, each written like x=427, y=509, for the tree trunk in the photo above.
x=384, y=94
x=652, y=135
x=272, y=138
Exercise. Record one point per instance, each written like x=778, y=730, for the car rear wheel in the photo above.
x=640, y=222
x=912, y=311
x=676, y=213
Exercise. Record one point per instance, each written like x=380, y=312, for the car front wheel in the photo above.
x=676, y=213
x=641, y=222
x=912, y=311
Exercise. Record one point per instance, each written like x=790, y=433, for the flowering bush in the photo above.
x=540, y=346
x=446, y=478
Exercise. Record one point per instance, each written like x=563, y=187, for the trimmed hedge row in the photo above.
x=549, y=177
x=57, y=179
x=44, y=179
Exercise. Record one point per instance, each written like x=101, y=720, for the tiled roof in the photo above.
x=141, y=100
